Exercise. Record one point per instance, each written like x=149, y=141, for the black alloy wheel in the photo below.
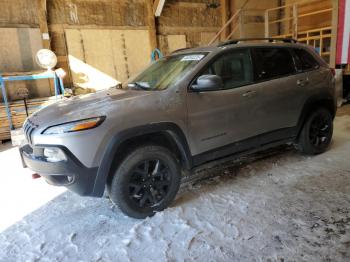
x=320, y=130
x=149, y=183
x=317, y=131
x=146, y=181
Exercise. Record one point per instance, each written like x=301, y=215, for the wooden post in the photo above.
x=42, y=16
x=151, y=21
x=332, y=58
x=267, y=24
x=295, y=22
x=241, y=25
x=158, y=7
x=225, y=10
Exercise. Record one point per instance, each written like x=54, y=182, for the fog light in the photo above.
x=54, y=154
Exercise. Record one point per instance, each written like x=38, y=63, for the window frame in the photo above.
x=276, y=77
x=213, y=60
x=296, y=57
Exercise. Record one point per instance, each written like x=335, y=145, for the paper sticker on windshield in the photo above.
x=192, y=57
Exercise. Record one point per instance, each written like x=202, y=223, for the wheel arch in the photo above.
x=165, y=134
x=313, y=103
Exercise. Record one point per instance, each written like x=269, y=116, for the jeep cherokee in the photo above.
x=191, y=107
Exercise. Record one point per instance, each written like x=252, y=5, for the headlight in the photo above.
x=74, y=126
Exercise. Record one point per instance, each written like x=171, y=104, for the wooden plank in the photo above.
x=100, y=59
x=136, y=40
x=333, y=48
x=59, y=27
x=295, y=21
x=267, y=24
x=7, y=25
x=91, y=58
x=158, y=7
x=315, y=12
x=152, y=30
x=177, y=29
x=225, y=7
x=42, y=16
x=305, y=2
x=19, y=113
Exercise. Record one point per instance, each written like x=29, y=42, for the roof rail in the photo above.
x=270, y=40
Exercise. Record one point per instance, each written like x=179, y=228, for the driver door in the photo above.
x=211, y=114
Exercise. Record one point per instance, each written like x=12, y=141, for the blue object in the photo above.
x=58, y=84
x=154, y=53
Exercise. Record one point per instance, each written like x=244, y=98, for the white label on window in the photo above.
x=192, y=57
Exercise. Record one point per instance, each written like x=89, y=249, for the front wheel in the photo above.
x=317, y=132
x=146, y=181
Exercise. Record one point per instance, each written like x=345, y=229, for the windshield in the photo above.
x=165, y=72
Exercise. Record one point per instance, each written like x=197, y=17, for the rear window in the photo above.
x=304, y=60
x=272, y=62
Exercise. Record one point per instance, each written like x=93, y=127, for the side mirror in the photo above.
x=207, y=83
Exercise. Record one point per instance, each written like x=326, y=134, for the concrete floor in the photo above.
x=287, y=207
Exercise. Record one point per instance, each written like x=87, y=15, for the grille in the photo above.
x=28, y=130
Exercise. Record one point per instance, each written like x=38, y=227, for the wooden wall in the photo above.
x=99, y=17
x=19, y=42
x=314, y=21
x=18, y=13
x=184, y=23
x=192, y=20
x=253, y=17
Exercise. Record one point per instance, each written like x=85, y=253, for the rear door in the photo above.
x=282, y=92
x=313, y=78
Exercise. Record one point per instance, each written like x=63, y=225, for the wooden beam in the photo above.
x=333, y=49
x=151, y=24
x=42, y=17
x=267, y=24
x=295, y=22
x=158, y=7
x=225, y=13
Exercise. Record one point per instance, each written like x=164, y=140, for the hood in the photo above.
x=84, y=106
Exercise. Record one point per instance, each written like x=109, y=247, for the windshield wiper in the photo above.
x=142, y=85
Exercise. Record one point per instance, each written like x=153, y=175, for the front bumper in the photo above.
x=71, y=173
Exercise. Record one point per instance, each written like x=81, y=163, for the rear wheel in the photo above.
x=146, y=181
x=317, y=132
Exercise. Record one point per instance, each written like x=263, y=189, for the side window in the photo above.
x=234, y=68
x=272, y=62
x=304, y=60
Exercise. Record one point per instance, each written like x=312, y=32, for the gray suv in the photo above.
x=194, y=106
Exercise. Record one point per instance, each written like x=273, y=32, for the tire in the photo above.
x=316, y=134
x=146, y=181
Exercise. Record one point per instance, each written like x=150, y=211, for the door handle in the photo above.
x=249, y=93
x=302, y=82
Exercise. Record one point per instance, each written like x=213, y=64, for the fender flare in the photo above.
x=173, y=131
x=311, y=102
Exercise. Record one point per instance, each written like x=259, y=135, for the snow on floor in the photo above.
x=287, y=207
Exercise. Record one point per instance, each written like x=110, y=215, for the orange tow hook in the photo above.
x=35, y=176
